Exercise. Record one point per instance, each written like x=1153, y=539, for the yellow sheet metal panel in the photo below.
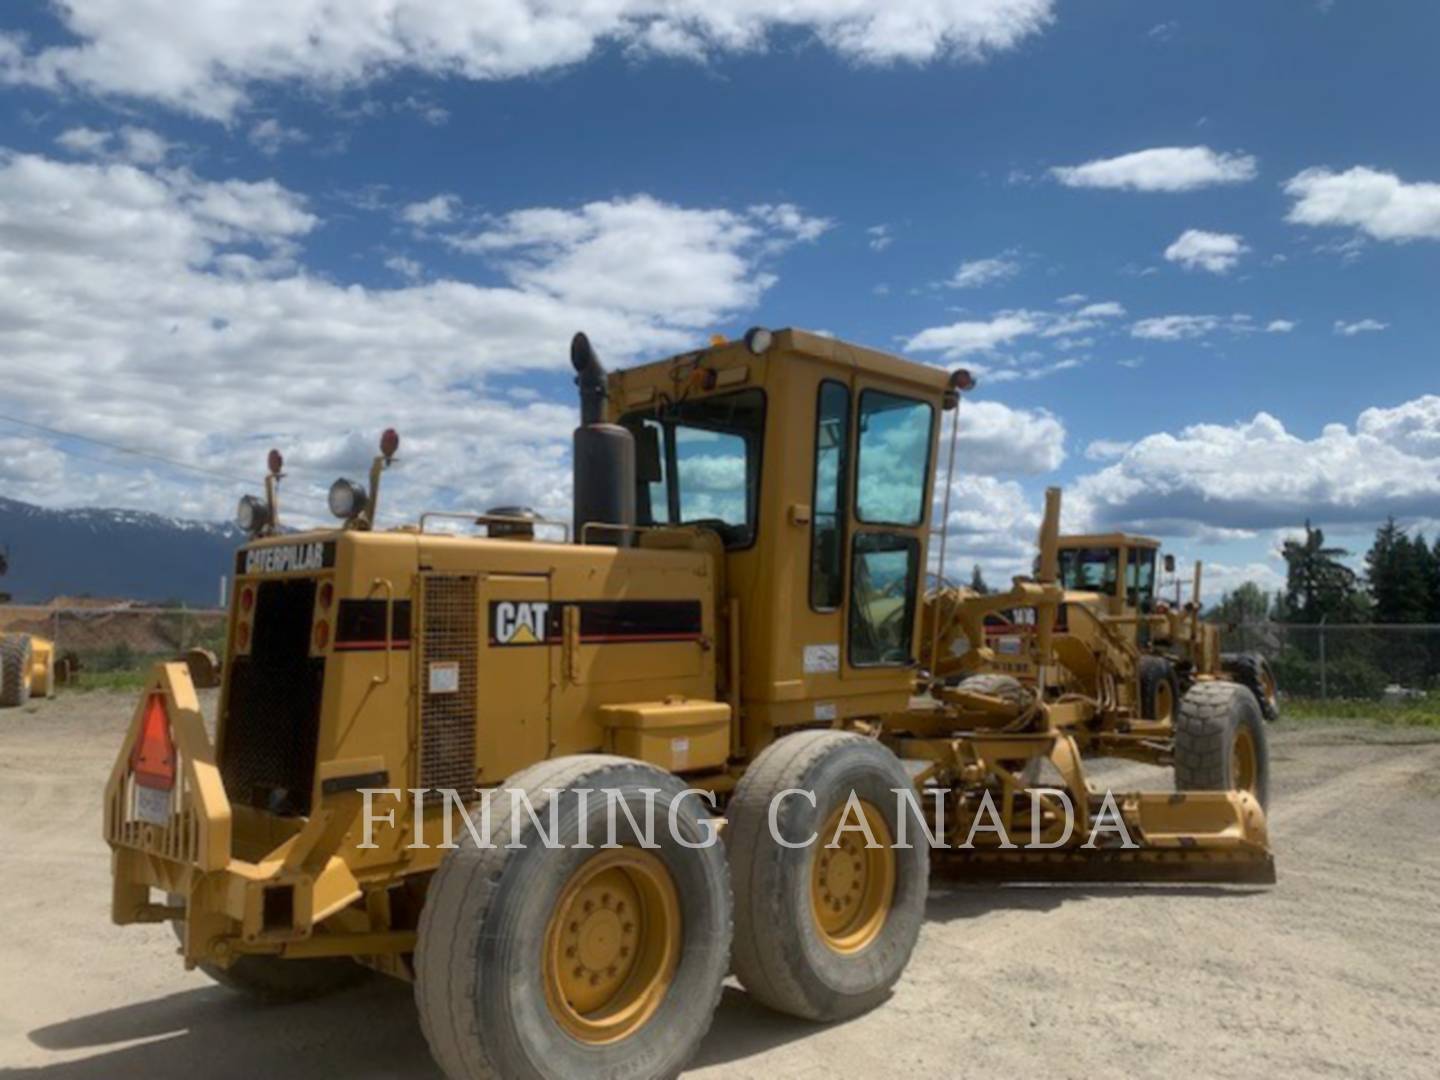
x=676, y=735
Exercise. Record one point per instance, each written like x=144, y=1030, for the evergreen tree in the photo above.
x=1400, y=574
x=1317, y=584
x=1246, y=604
x=977, y=582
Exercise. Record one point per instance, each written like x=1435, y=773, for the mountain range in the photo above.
x=125, y=554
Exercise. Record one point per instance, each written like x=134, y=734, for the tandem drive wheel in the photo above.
x=824, y=929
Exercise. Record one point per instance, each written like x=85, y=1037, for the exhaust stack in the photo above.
x=604, y=458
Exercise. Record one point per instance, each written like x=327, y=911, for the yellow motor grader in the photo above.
x=27, y=661
x=566, y=776
x=1149, y=675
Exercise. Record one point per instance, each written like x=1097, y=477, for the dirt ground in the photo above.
x=1333, y=972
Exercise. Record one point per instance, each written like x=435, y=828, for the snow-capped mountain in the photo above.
x=113, y=553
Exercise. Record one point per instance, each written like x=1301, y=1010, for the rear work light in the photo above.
x=153, y=758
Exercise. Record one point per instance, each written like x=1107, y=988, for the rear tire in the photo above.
x=15, y=670
x=1220, y=742
x=794, y=949
x=502, y=927
x=1251, y=670
x=1159, y=688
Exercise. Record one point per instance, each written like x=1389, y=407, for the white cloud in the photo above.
x=405, y=266
x=1359, y=326
x=642, y=255
x=880, y=237
x=998, y=440
x=203, y=56
x=137, y=145
x=1413, y=427
x=1106, y=449
x=269, y=136
x=992, y=523
x=971, y=339
x=179, y=306
x=1256, y=475
x=1168, y=168
x=1280, y=326
x=1174, y=327
x=1071, y=299
x=961, y=339
x=1379, y=204
x=1196, y=249
x=436, y=210
x=979, y=272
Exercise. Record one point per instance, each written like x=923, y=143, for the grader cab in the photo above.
x=566, y=776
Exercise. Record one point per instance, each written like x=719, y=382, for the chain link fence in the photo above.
x=1352, y=662
x=116, y=641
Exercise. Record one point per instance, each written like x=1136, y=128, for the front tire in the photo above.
x=824, y=932
x=555, y=962
x=1220, y=741
x=1251, y=670
x=1159, y=688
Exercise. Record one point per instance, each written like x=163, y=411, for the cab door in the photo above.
x=894, y=435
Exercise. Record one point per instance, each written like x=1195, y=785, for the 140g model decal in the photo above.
x=542, y=622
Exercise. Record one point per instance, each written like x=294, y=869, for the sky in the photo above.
x=1192, y=252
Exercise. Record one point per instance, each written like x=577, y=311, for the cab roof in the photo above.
x=734, y=355
x=1104, y=540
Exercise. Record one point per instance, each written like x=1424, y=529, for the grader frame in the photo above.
x=750, y=629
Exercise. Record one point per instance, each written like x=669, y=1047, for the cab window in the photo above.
x=706, y=464
x=883, y=577
x=1140, y=577
x=1090, y=569
x=894, y=458
x=832, y=449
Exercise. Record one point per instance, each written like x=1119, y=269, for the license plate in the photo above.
x=152, y=806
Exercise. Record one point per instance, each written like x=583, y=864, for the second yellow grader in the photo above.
x=730, y=630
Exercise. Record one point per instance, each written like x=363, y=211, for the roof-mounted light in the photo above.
x=252, y=515
x=347, y=499
x=758, y=339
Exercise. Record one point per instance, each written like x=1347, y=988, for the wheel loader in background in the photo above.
x=27, y=661
x=726, y=634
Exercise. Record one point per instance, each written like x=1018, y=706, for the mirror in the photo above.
x=1169, y=564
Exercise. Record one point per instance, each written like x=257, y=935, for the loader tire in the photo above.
x=273, y=980
x=1253, y=671
x=558, y=962
x=1159, y=688
x=15, y=670
x=1006, y=687
x=823, y=932
x=1220, y=741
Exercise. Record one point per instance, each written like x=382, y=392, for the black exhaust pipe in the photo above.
x=604, y=458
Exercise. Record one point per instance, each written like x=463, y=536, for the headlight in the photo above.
x=347, y=499
x=252, y=514
x=758, y=339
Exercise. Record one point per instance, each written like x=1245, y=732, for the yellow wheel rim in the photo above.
x=1243, y=758
x=852, y=885
x=612, y=945
x=1267, y=686
x=1164, y=701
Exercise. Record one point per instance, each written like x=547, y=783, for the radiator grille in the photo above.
x=272, y=715
x=449, y=638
